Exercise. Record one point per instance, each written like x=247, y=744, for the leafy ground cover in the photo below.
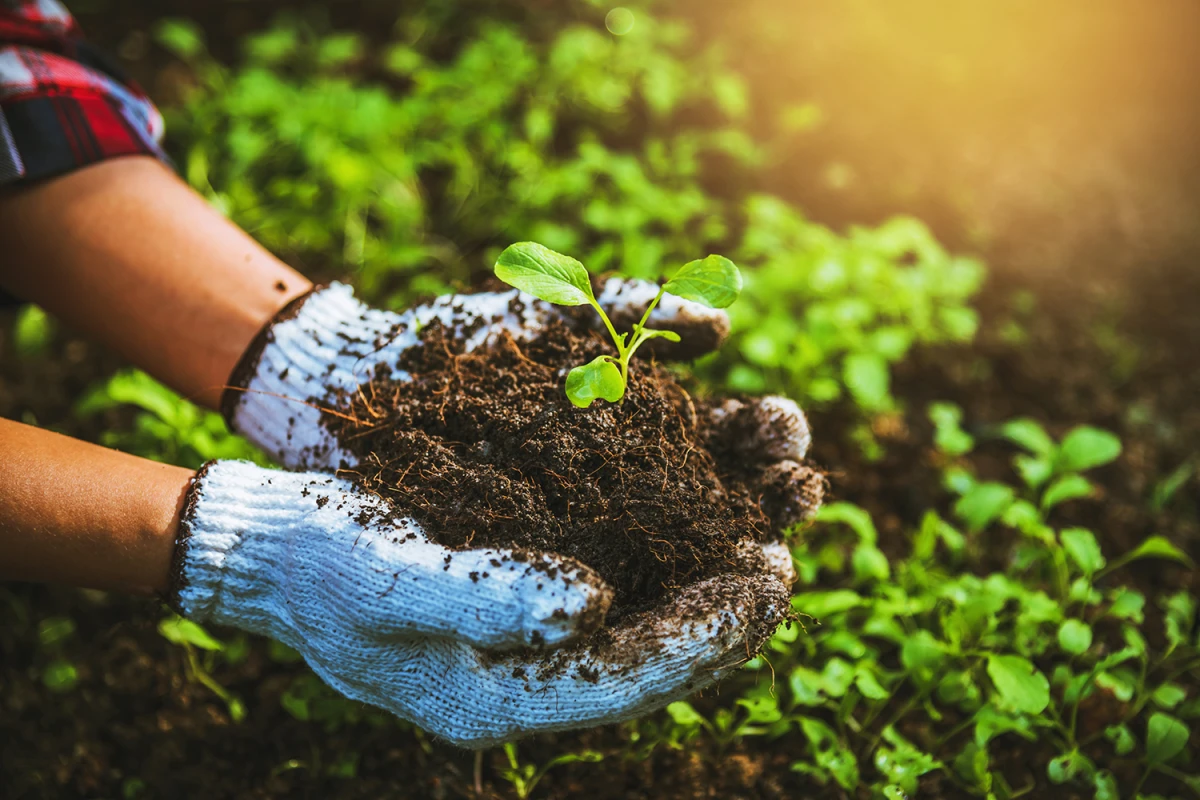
x=1000, y=600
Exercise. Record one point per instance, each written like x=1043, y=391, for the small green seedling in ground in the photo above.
x=713, y=281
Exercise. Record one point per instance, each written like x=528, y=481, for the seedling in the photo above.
x=713, y=281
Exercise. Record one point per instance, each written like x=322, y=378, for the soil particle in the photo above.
x=484, y=450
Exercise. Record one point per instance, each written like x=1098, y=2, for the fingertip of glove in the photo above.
x=774, y=558
x=763, y=429
x=710, y=625
x=569, y=600
x=791, y=493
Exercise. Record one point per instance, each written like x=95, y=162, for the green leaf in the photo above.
x=866, y=376
x=761, y=709
x=1084, y=550
x=670, y=336
x=1180, y=613
x=296, y=705
x=1128, y=604
x=904, y=763
x=991, y=722
x=684, y=714
x=178, y=630
x=972, y=766
x=949, y=437
x=870, y=564
x=829, y=753
x=1158, y=547
x=1165, y=489
x=545, y=274
x=53, y=630
x=1067, y=766
x=60, y=676
x=237, y=709
x=807, y=686
x=1074, y=636
x=1086, y=447
x=1028, y=434
x=921, y=653
x=598, y=380
x=856, y=518
x=983, y=504
x=1067, y=487
x=958, y=688
x=866, y=682
x=583, y=756
x=713, y=281
x=280, y=653
x=1121, y=738
x=1034, y=470
x=1169, y=695
x=32, y=331
x=183, y=38
x=1106, y=786
x=1019, y=684
x=822, y=604
x=1165, y=738
x=836, y=677
x=1120, y=682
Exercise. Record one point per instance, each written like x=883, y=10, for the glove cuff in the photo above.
x=232, y=544
x=322, y=342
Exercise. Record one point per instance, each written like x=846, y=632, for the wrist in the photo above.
x=322, y=342
x=235, y=526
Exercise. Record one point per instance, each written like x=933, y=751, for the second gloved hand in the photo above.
x=475, y=646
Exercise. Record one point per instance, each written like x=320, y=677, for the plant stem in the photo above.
x=618, y=339
x=639, y=330
x=650, y=308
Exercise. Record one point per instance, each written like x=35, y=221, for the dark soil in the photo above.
x=485, y=450
x=135, y=719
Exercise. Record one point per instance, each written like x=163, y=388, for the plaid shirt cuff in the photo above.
x=62, y=104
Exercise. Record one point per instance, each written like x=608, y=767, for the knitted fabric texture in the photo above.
x=389, y=618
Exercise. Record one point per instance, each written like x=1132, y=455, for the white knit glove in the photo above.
x=389, y=618
x=367, y=600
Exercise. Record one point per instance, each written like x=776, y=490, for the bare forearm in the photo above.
x=125, y=251
x=80, y=514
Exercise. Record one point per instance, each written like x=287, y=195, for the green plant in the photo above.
x=525, y=777
x=192, y=637
x=924, y=663
x=59, y=674
x=713, y=281
x=825, y=316
x=756, y=713
x=32, y=332
x=168, y=428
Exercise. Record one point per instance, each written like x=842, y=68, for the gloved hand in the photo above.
x=265, y=556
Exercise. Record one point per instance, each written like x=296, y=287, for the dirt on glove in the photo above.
x=485, y=450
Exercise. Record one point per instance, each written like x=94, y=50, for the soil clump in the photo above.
x=485, y=450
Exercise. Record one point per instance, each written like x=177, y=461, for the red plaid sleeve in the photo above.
x=63, y=105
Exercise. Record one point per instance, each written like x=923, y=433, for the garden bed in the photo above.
x=135, y=719
x=99, y=698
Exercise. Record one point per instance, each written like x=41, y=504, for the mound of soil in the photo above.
x=484, y=450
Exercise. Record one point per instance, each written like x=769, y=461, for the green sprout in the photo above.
x=713, y=281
